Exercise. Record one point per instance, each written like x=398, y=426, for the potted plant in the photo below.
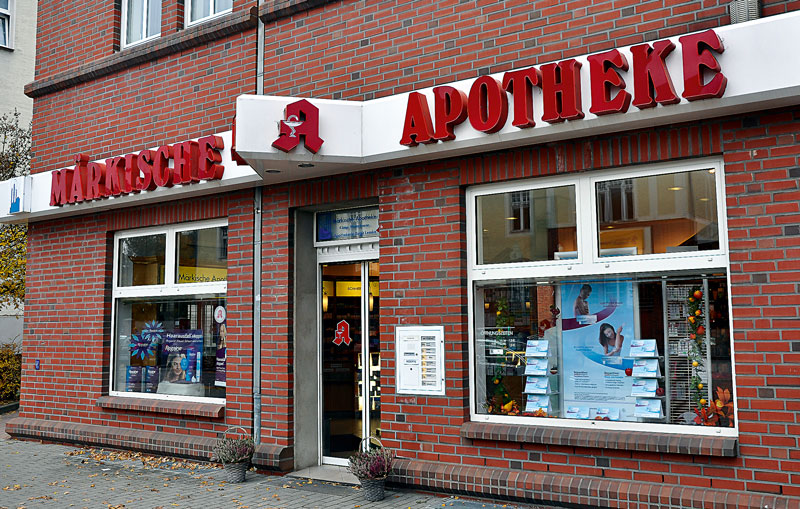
x=372, y=465
x=235, y=454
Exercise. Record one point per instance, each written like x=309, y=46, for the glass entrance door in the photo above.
x=350, y=347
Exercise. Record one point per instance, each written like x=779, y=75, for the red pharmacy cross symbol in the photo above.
x=302, y=119
x=342, y=334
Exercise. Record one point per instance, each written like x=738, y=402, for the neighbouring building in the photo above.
x=17, y=58
x=545, y=251
x=17, y=55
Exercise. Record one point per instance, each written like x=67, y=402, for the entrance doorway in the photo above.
x=350, y=344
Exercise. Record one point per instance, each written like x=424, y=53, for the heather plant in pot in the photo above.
x=372, y=465
x=235, y=455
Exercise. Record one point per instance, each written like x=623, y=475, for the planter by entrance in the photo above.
x=373, y=489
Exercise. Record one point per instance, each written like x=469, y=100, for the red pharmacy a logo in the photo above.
x=302, y=119
x=342, y=334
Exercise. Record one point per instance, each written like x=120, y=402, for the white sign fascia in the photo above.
x=234, y=177
x=758, y=62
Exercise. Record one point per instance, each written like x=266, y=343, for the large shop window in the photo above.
x=603, y=298
x=170, y=318
x=141, y=20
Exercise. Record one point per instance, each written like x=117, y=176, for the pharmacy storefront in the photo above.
x=553, y=283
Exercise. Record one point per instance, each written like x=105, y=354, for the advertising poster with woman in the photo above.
x=597, y=329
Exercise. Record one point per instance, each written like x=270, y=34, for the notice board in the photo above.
x=420, y=360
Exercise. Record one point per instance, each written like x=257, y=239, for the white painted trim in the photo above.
x=362, y=135
x=9, y=14
x=124, y=27
x=188, y=14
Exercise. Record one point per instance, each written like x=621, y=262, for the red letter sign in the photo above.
x=417, y=127
x=696, y=56
x=520, y=84
x=603, y=73
x=488, y=105
x=650, y=75
x=450, y=107
x=210, y=169
x=302, y=119
x=561, y=91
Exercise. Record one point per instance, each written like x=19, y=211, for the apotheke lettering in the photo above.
x=193, y=161
x=486, y=106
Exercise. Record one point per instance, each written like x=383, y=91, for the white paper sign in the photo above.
x=644, y=387
x=537, y=348
x=607, y=414
x=577, y=412
x=646, y=368
x=648, y=408
x=534, y=403
x=643, y=348
x=537, y=385
x=536, y=367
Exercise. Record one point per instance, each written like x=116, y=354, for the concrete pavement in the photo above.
x=34, y=475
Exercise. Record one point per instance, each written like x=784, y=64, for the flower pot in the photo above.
x=373, y=489
x=235, y=472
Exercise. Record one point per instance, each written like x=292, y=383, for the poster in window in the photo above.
x=220, y=379
x=597, y=330
x=183, y=352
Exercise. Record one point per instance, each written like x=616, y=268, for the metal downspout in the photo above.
x=257, y=253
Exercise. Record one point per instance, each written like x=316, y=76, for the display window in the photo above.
x=169, y=312
x=603, y=298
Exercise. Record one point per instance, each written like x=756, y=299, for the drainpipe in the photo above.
x=257, y=254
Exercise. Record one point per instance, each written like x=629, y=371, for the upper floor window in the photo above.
x=6, y=8
x=141, y=20
x=199, y=10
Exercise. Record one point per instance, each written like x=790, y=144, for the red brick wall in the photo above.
x=421, y=282
x=362, y=49
x=68, y=306
x=164, y=101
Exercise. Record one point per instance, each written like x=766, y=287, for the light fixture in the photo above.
x=324, y=303
x=675, y=188
x=712, y=171
x=511, y=218
x=486, y=306
x=485, y=230
x=371, y=303
x=305, y=165
x=527, y=304
x=704, y=199
x=609, y=227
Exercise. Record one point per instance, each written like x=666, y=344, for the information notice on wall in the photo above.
x=347, y=224
x=420, y=360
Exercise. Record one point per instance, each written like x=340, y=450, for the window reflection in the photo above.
x=667, y=213
x=525, y=226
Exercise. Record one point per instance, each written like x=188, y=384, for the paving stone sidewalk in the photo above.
x=35, y=475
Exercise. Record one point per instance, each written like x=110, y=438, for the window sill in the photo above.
x=672, y=443
x=213, y=410
x=6, y=48
x=146, y=51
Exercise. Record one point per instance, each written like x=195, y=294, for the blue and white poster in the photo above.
x=597, y=329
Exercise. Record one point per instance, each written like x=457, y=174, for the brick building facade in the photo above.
x=94, y=95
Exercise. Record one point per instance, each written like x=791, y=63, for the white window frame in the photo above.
x=124, y=30
x=9, y=14
x=213, y=3
x=170, y=288
x=589, y=263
